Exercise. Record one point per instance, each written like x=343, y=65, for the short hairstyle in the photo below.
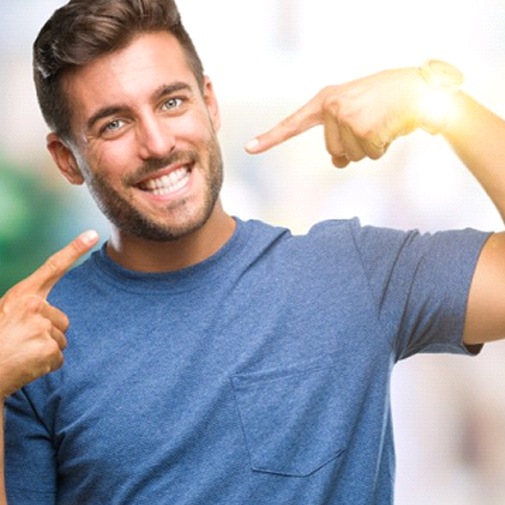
x=83, y=30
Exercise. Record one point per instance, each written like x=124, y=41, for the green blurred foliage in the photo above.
x=29, y=215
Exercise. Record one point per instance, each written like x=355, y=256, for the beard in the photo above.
x=181, y=218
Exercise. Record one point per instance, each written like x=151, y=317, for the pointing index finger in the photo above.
x=303, y=119
x=44, y=278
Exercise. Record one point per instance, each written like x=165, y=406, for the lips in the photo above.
x=168, y=183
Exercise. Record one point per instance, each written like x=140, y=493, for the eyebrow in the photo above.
x=164, y=90
x=103, y=113
x=169, y=89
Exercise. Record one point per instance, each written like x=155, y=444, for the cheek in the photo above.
x=111, y=160
x=194, y=128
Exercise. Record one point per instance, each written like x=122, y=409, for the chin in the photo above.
x=180, y=228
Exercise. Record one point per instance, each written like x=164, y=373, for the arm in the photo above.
x=32, y=332
x=363, y=117
x=478, y=137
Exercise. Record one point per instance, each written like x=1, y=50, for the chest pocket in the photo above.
x=295, y=422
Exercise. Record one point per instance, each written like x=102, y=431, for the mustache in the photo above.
x=154, y=164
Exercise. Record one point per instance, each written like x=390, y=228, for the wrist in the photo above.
x=441, y=83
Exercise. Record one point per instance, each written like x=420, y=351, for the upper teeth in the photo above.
x=168, y=183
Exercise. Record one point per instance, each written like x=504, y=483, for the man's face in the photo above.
x=145, y=138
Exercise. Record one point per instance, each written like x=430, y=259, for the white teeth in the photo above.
x=168, y=183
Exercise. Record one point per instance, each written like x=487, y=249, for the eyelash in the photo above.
x=179, y=101
x=109, y=127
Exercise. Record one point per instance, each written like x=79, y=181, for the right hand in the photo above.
x=32, y=332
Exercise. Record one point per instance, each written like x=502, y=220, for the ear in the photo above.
x=212, y=105
x=64, y=159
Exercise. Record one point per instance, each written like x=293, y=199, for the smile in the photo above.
x=169, y=183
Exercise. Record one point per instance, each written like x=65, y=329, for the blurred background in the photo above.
x=267, y=58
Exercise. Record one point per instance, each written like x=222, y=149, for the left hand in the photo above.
x=360, y=118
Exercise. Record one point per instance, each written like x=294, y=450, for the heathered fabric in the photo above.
x=260, y=376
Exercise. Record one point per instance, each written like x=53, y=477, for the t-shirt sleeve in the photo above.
x=420, y=283
x=29, y=456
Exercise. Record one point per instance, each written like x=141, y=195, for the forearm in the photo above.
x=478, y=137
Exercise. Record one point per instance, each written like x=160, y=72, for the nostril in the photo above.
x=154, y=140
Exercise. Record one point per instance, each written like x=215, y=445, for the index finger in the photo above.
x=303, y=119
x=45, y=277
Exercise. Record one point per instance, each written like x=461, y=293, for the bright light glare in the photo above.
x=436, y=108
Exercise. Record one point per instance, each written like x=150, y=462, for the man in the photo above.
x=212, y=360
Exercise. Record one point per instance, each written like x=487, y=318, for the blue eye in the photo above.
x=113, y=126
x=172, y=103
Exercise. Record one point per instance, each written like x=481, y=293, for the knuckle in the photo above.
x=45, y=326
x=354, y=156
x=352, y=120
x=46, y=367
x=12, y=293
x=376, y=152
x=76, y=248
x=35, y=304
x=57, y=361
x=53, y=265
x=332, y=108
x=48, y=352
x=288, y=124
x=328, y=93
x=65, y=321
x=331, y=97
x=41, y=348
x=64, y=343
x=364, y=131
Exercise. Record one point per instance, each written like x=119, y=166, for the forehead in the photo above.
x=129, y=74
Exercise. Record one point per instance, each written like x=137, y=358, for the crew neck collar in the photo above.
x=186, y=278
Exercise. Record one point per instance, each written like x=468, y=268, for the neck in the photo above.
x=136, y=253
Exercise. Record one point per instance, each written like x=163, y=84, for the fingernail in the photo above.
x=89, y=237
x=252, y=145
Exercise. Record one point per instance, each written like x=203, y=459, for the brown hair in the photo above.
x=83, y=30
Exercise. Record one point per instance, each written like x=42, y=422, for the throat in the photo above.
x=142, y=255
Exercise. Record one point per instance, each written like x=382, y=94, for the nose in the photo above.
x=155, y=140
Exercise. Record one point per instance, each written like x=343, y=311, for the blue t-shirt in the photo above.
x=260, y=376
